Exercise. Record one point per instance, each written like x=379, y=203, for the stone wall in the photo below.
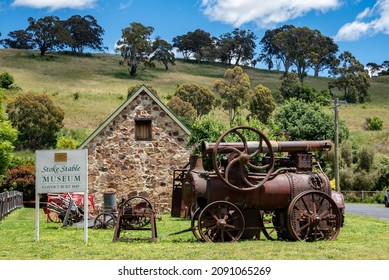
x=118, y=163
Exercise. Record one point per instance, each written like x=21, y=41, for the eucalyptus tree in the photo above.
x=271, y=52
x=351, y=78
x=262, y=104
x=238, y=45
x=47, y=33
x=135, y=45
x=193, y=44
x=162, y=52
x=299, y=46
x=18, y=39
x=323, y=52
x=83, y=32
x=234, y=90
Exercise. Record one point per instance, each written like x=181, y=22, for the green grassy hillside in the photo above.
x=101, y=84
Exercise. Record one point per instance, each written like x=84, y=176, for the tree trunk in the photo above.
x=133, y=70
x=166, y=65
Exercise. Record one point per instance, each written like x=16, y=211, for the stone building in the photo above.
x=136, y=149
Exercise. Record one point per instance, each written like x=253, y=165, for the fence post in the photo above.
x=9, y=201
x=1, y=205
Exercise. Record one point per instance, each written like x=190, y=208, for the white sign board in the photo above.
x=61, y=171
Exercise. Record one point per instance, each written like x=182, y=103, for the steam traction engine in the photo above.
x=251, y=191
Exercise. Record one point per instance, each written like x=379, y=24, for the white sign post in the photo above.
x=61, y=171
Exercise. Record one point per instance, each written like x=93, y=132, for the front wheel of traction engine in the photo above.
x=313, y=216
x=221, y=221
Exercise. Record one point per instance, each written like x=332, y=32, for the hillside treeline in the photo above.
x=286, y=47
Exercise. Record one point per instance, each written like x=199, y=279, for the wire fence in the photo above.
x=364, y=196
x=10, y=201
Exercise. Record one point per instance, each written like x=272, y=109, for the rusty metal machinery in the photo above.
x=107, y=219
x=251, y=191
x=135, y=214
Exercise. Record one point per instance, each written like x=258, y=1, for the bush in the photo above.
x=65, y=143
x=182, y=108
x=307, y=121
x=8, y=136
x=366, y=158
x=77, y=134
x=351, y=197
x=364, y=181
x=374, y=123
x=134, y=88
x=377, y=197
x=37, y=119
x=201, y=98
x=22, y=179
x=381, y=163
x=6, y=80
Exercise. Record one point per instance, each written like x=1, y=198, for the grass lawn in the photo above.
x=361, y=238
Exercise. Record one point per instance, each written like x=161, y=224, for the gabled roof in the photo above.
x=141, y=89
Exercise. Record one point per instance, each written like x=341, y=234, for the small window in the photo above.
x=143, y=130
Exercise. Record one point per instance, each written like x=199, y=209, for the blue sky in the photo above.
x=358, y=26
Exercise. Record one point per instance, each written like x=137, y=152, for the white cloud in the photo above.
x=265, y=13
x=125, y=5
x=55, y=4
x=368, y=23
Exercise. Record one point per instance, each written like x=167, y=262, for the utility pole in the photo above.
x=336, y=161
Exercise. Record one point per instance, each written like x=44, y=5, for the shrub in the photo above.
x=76, y=95
x=374, y=123
x=381, y=163
x=377, y=197
x=351, y=197
x=134, y=88
x=307, y=121
x=364, y=181
x=182, y=108
x=77, y=134
x=66, y=143
x=37, y=119
x=22, y=179
x=201, y=98
x=365, y=158
x=6, y=80
x=8, y=136
x=206, y=128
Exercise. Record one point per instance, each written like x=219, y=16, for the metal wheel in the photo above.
x=313, y=216
x=244, y=160
x=53, y=216
x=221, y=221
x=267, y=225
x=194, y=223
x=104, y=221
x=133, y=208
